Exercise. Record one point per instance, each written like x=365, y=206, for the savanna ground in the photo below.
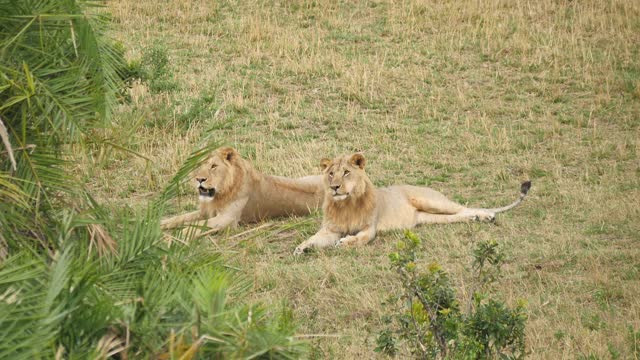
x=468, y=97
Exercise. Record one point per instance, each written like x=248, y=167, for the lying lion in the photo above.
x=231, y=191
x=354, y=210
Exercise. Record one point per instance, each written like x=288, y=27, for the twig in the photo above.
x=215, y=243
x=73, y=38
x=104, y=243
x=250, y=230
x=27, y=147
x=209, y=232
x=169, y=238
x=4, y=249
x=4, y=134
x=60, y=352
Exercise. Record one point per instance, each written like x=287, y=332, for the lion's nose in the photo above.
x=201, y=179
x=335, y=187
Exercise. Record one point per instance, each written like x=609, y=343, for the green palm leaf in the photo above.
x=59, y=79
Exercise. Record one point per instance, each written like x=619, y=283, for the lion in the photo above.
x=230, y=191
x=354, y=210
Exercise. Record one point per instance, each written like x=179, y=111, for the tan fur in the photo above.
x=243, y=194
x=354, y=210
x=352, y=213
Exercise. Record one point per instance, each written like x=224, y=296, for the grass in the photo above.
x=467, y=97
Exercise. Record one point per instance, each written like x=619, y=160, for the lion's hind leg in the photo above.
x=432, y=202
x=435, y=208
x=464, y=216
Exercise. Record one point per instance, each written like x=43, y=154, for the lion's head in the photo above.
x=344, y=177
x=218, y=174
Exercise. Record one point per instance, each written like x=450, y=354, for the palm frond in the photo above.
x=26, y=327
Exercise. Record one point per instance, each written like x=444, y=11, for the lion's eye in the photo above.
x=213, y=166
x=346, y=173
x=331, y=174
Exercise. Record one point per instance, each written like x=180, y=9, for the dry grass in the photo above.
x=469, y=97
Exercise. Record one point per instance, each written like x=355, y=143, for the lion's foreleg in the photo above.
x=179, y=220
x=222, y=222
x=324, y=238
x=228, y=217
x=363, y=237
x=209, y=226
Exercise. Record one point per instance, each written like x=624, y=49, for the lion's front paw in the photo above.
x=345, y=241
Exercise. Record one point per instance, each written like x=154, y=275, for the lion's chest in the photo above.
x=349, y=220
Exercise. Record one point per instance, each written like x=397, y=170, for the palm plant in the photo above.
x=59, y=78
x=75, y=280
x=134, y=303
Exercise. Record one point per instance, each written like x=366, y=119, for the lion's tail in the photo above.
x=524, y=189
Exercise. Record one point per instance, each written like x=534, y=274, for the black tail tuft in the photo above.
x=524, y=188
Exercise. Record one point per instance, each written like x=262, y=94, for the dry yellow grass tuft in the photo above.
x=469, y=97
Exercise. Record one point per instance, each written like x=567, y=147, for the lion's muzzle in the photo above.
x=339, y=196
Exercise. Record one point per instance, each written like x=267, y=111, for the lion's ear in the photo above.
x=228, y=153
x=358, y=160
x=324, y=164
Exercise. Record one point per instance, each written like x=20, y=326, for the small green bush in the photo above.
x=429, y=320
x=155, y=67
